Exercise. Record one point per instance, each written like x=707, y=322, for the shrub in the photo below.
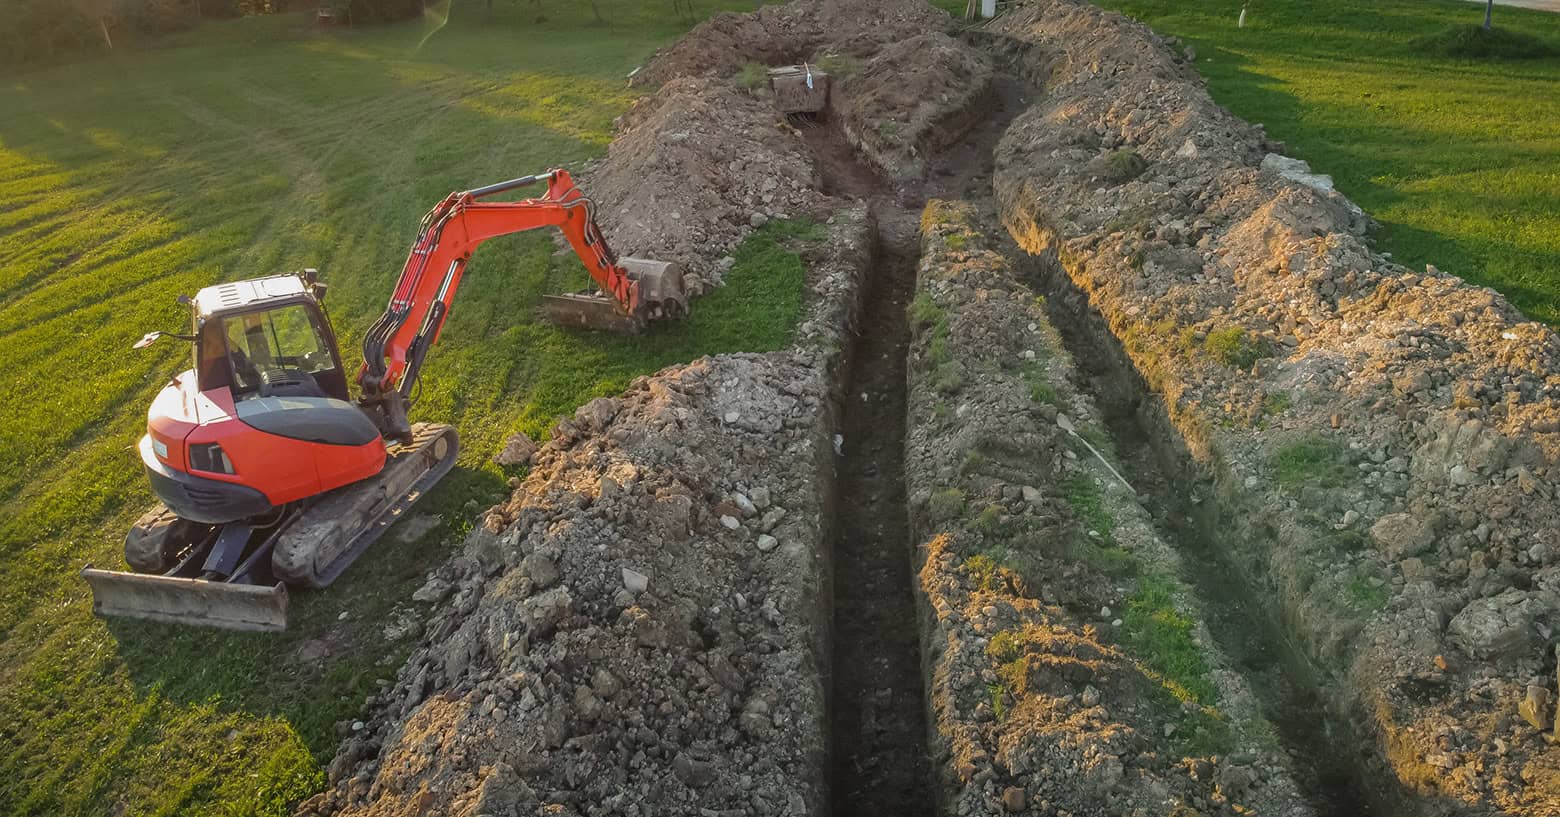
x=1124, y=165
x=1475, y=42
x=754, y=75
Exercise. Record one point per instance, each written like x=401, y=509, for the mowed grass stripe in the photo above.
x=223, y=159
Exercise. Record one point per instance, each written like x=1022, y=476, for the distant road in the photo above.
x=1541, y=5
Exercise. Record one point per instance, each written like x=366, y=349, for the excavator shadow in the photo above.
x=339, y=641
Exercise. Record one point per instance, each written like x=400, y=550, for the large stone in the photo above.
x=1499, y=627
x=1401, y=535
x=1297, y=170
x=518, y=450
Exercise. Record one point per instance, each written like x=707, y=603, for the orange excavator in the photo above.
x=269, y=474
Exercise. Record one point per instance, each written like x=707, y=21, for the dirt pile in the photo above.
x=790, y=33
x=1067, y=670
x=912, y=99
x=639, y=629
x=1382, y=444
x=694, y=167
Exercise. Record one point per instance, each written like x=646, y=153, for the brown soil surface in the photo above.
x=1380, y=444
x=791, y=33
x=695, y=166
x=911, y=100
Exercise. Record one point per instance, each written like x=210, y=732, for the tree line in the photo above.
x=43, y=31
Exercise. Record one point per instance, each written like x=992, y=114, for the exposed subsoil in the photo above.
x=878, y=719
x=878, y=707
x=1243, y=625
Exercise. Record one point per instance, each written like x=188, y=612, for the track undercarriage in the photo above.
x=235, y=576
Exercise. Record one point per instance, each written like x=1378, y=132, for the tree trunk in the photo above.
x=103, y=24
x=1489, y=8
x=595, y=12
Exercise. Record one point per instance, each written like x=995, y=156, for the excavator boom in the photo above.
x=633, y=291
x=269, y=474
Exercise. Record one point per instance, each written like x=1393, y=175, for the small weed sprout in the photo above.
x=754, y=75
x=1124, y=165
x=946, y=504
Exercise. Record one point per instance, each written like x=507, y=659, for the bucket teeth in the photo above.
x=661, y=295
x=590, y=312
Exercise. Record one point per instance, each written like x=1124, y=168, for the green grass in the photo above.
x=1161, y=637
x=1234, y=347
x=241, y=149
x=1475, y=42
x=1313, y=461
x=1458, y=159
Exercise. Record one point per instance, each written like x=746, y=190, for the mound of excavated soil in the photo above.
x=1030, y=551
x=914, y=98
x=694, y=168
x=1384, y=445
x=791, y=33
x=639, y=629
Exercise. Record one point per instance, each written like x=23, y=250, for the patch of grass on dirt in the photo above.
x=1455, y=157
x=1099, y=552
x=946, y=504
x=989, y=521
x=753, y=76
x=1313, y=461
x=1088, y=505
x=1365, y=595
x=1475, y=42
x=984, y=573
x=1124, y=164
x=1161, y=637
x=1233, y=346
x=129, y=180
x=839, y=66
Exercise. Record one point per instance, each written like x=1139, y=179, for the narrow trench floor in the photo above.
x=878, y=710
x=879, y=722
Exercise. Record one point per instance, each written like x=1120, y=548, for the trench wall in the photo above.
x=1067, y=667
x=642, y=628
x=1375, y=448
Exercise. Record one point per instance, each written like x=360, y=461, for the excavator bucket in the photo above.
x=174, y=600
x=661, y=295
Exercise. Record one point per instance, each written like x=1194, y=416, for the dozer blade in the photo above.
x=197, y=602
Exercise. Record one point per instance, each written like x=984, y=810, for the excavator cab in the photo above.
x=280, y=346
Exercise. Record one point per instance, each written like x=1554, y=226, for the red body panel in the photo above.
x=181, y=417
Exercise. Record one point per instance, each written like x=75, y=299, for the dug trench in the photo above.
x=878, y=707
x=1245, y=624
x=694, y=601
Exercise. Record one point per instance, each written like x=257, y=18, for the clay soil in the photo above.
x=887, y=573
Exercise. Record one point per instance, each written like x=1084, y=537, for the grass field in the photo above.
x=253, y=146
x=1459, y=160
x=250, y=147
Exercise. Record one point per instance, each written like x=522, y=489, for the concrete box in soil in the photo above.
x=799, y=88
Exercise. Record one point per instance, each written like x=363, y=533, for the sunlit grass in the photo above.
x=1458, y=159
x=241, y=149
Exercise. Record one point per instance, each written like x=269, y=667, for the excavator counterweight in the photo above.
x=270, y=474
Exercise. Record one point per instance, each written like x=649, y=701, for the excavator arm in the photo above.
x=634, y=291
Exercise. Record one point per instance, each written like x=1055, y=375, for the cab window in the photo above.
x=273, y=346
